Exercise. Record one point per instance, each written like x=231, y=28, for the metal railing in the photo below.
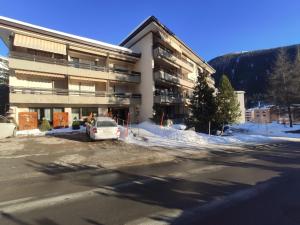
x=160, y=51
x=64, y=62
x=163, y=75
x=58, y=91
x=170, y=98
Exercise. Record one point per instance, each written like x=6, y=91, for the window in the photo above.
x=106, y=124
x=75, y=113
x=89, y=111
x=3, y=120
x=58, y=109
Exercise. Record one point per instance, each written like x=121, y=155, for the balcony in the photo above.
x=170, y=58
x=29, y=62
x=176, y=79
x=171, y=99
x=65, y=96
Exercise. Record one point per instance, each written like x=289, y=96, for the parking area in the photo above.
x=34, y=156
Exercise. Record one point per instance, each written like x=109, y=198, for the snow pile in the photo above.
x=271, y=129
x=37, y=132
x=149, y=134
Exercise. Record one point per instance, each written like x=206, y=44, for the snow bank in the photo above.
x=149, y=134
x=37, y=132
x=271, y=129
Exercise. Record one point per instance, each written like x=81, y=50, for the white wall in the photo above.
x=241, y=99
x=145, y=65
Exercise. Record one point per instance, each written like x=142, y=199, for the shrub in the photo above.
x=76, y=125
x=45, y=125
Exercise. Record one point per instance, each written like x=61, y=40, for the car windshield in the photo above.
x=106, y=124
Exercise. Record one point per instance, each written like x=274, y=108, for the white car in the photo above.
x=7, y=128
x=103, y=128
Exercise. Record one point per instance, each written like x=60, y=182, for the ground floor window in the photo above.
x=46, y=113
x=89, y=111
x=76, y=114
x=80, y=113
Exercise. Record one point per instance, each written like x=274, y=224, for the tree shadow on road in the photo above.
x=187, y=192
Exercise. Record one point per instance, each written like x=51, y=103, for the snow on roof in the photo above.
x=66, y=34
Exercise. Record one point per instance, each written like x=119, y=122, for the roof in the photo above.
x=151, y=19
x=66, y=35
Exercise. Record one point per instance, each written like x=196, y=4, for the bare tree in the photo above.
x=284, y=81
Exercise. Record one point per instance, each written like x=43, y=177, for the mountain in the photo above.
x=249, y=71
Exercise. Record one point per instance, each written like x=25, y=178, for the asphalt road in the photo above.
x=258, y=185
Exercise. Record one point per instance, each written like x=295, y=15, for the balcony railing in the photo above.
x=57, y=91
x=64, y=62
x=175, y=78
x=163, y=53
x=171, y=98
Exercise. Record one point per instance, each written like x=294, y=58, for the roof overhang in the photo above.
x=153, y=24
x=10, y=26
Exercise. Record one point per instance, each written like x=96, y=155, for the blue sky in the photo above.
x=211, y=28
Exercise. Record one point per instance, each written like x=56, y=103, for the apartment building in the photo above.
x=169, y=69
x=272, y=113
x=3, y=70
x=4, y=74
x=52, y=71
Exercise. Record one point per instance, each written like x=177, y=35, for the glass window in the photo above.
x=47, y=114
x=106, y=124
x=58, y=110
x=75, y=113
x=89, y=111
x=3, y=120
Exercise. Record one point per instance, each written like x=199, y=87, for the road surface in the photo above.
x=258, y=185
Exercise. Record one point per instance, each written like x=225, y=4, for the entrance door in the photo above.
x=119, y=113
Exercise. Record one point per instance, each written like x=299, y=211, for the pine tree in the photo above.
x=228, y=106
x=284, y=82
x=203, y=105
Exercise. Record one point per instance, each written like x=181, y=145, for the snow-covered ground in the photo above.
x=149, y=134
x=271, y=129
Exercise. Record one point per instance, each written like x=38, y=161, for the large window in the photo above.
x=79, y=113
x=46, y=113
x=76, y=113
x=89, y=111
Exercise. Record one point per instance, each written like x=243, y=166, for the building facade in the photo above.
x=169, y=69
x=269, y=114
x=52, y=71
x=4, y=74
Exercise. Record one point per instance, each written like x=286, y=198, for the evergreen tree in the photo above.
x=228, y=106
x=203, y=105
x=284, y=82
